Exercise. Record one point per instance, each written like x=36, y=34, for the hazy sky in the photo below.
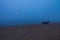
x=37, y=10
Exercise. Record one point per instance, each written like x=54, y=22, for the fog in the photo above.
x=21, y=12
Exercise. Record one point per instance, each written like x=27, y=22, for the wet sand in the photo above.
x=31, y=32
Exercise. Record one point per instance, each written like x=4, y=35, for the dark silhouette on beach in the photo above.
x=45, y=22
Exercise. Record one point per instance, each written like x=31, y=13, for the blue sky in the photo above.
x=30, y=11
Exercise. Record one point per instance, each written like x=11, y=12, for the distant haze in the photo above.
x=13, y=12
